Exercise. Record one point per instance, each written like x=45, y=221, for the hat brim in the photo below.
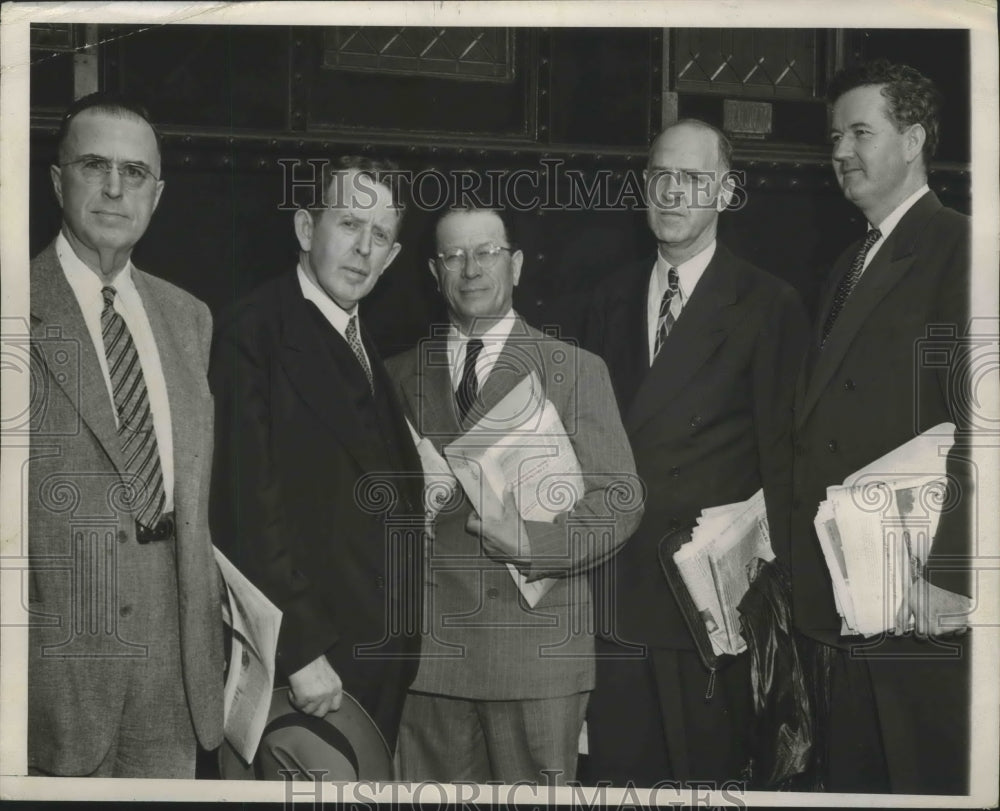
x=373, y=756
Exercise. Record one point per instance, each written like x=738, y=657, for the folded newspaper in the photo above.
x=522, y=442
x=876, y=528
x=716, y=566
x=254, y=621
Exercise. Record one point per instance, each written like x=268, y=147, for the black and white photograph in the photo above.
x=501, y=403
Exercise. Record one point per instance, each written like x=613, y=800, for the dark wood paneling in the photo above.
x=220, y=229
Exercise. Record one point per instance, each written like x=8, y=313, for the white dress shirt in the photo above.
x=86, y=286
x=889, y=223
x=493, y=340
x=688, y=274
x=332, y=312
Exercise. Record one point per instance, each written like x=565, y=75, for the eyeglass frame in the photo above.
x=494, y=252
x=112, y=164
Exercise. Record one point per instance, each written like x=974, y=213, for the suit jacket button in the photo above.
x=696, y=421
x=832, y=445
x=674, y=524
x=125, y=610
x=848, y=385
x=492, y=593
x=122, y=536
x=379, y=582
x=675, y=472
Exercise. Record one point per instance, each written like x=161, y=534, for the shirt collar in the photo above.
x=84, y=281
x=688, y=272
x=890, y=222
x=332, y=312
x=498, y=333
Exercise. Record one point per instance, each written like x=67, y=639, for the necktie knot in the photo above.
x=873, y=236
x=108, y=294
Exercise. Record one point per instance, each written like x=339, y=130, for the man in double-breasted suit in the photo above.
x=502, y=686
x=885, y=363
x=703, y=349
x=316, y=472
x=125, y=669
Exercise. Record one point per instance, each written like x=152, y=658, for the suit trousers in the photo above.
x=154, y=736
x=649, y=719
x=899, y=718
x=454, y=739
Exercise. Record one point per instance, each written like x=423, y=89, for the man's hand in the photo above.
x=502, y=530
x=936, y=611
x=316, y=688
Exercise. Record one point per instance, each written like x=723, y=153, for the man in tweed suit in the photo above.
x=502, y=688
x=125, y=642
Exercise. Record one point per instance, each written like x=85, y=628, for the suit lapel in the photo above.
x=427, y=387
x=516, y=360
x=888, y=267
x=703, y=324
x=56, y=318
x=315, y=372
x=178, y=350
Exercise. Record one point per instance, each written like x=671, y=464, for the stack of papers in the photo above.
x=876, y=528
x=718, y=563
x=522, y=443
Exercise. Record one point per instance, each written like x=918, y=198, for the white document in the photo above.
x=255, y=622
x=520, y=442
x=439, y=482
x=875, y=530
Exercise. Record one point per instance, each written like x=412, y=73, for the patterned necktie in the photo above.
x=665, y=321
x=354, y=341
x=850, y=281
x=135, y=419
x=468, y=388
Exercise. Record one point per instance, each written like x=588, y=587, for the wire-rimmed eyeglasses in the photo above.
x=94, y=169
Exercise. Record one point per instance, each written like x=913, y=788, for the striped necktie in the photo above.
x=354, y=341
x=666, y=319
x=135, y=419
x=850, y=281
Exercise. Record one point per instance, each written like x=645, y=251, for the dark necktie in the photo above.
x=354, y=341
x=665, y=320
x=135, y=419
x=468, y=389
x=849, y=282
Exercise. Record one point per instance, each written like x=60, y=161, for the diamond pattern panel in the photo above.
x=470, y=53
x=750, y=62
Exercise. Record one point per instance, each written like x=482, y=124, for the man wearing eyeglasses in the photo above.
x=125, y=641
x=703, y=349
x=502, y=687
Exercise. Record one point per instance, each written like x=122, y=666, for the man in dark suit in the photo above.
x=899, y=706
x=503, y=684
x=703, y=349
x=125, y=640
x=315, y=473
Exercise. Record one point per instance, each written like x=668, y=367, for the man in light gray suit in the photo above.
x=125, y=669
x=502, y=687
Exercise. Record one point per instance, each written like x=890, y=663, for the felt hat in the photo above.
x=343, y=745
